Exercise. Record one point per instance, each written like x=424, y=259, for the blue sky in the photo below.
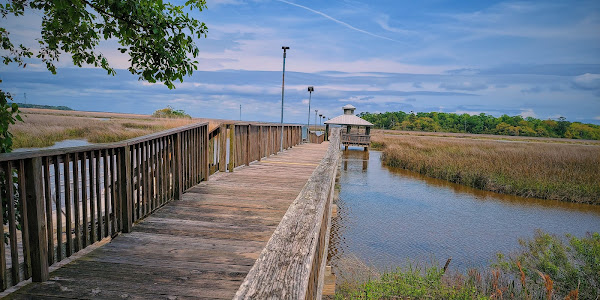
x=538, y=59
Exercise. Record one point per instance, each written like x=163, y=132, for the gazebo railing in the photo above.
x=356, y=139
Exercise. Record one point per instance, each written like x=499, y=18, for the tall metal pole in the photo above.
x=316, y=111
x=282, y=90
x=310, y=90
x=240, y=112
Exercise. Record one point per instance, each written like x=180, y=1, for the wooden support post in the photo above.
x=327, y=132
x=206, y=151
x=260, y=142
x=125, y=190
x=231, y=147
x=222, y=148
x=247, y=162
x=177, y=178
x=34, y=197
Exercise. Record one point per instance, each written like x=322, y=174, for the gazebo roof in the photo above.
x=348, y=120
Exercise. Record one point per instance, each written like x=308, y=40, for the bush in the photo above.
x=170, y=112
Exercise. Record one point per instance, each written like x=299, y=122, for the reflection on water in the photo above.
x=387, y=217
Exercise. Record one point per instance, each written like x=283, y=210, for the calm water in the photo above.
x=387, y=217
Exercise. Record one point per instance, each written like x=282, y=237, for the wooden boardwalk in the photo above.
x=200, y=247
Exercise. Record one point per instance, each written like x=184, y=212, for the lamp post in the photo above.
x=282, y=90
x=316, y=111
x=310, y=90
x=320, y=117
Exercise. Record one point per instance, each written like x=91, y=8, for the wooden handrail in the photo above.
x=291, y=266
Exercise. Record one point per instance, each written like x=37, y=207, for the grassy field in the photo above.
x=546, y=267
x=42, y=127
x=539, y=168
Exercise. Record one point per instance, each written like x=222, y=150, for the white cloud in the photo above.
x=463, y=86
x=528, y=112
x=587, y=81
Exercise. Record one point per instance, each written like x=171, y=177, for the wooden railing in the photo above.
x=316, y=139
x=292, y=265
x=60, y=201
x=356, y=139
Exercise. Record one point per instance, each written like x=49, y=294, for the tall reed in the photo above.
x=567, y=172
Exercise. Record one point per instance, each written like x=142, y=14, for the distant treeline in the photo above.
x=23, y=105
x=484, y=124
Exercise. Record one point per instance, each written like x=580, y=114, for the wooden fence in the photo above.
x=292, y=265
x=356, y=139
x=59, y=201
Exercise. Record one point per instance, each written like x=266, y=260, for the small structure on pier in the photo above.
x=355, y=131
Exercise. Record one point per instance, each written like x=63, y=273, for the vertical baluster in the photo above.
x=113, y=191
x=84, y=200
x=12, y=222
x=68, y=212
x=49, y=219
x=164, y=168
x=24, y=224
x=138, y=176
x=144, y=178
x=93, y=196
x=98, y=195
x=76, y=201
x=3, y=277
x=58, y=205
x=117, y=190
x=154, y=174
x=106, y=193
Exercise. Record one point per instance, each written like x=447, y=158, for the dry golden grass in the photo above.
x=42, y=128
x=567, y=172
x=489, y=137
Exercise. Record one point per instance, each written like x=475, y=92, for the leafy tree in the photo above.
x=158, y=37
x=482, y=123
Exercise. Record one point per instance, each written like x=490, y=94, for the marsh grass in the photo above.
x=557, y=171
x=42, y=128
x=545, y=267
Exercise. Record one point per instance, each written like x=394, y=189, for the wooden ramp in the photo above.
x=200, y=247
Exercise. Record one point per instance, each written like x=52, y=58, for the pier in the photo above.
x=186, y=213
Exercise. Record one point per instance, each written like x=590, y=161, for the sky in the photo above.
x=538, y=59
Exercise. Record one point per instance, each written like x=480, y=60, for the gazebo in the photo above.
x=355, y=131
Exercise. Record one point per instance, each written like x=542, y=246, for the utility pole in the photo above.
x=240, y=112
x=282, y=91
x=310, y=90
x=25, y=96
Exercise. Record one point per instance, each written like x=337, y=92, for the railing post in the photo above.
x=206, y=152
x=125, y=190
x=177, y=180
x=247, y=146
x=34, y=197
x=260, y=141
x=231, y=147
x=222, y=148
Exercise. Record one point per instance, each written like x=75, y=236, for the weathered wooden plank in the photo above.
x=49, y=219
x=92, y=199
x=76, y=201
x=12, y=222
x=84, y=200
x=68, y=211
x=24, y=223
x=58, y=204
x=98, y=196
x=35, y=217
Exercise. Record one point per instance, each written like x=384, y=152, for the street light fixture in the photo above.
x=310, y=90
x=282, y=90
x=320, y=117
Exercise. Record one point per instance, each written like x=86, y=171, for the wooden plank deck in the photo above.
x=200, y=247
